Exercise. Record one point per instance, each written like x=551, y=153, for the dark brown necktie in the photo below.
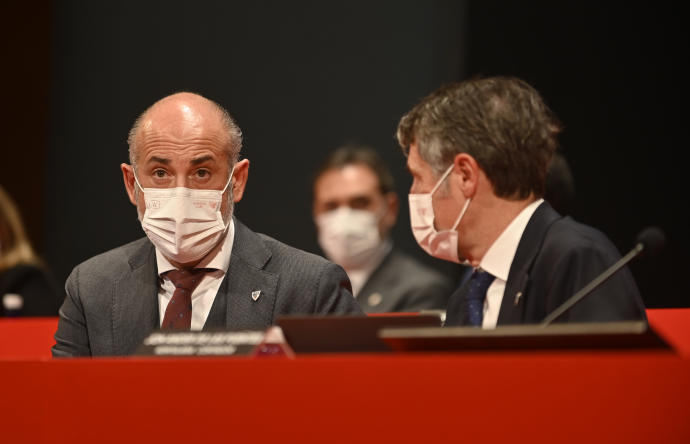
x=178, y=313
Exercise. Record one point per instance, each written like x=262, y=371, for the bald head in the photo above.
x=185, y=116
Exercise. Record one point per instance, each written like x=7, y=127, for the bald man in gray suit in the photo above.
x=184, y=178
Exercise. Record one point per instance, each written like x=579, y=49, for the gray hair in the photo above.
x=501, y=122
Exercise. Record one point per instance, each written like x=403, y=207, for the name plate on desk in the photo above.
x=592, y=335
x=202, y=343
x=346, y=333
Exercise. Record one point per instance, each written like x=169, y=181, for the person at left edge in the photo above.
x=184, y=179
x=27, y=285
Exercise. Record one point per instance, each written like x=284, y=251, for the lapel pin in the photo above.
x=518, y=296
x=374, y=299
x=256, y=294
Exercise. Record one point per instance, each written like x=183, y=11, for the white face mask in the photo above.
x=184, y=224
x=440, y=244
x=349, y=237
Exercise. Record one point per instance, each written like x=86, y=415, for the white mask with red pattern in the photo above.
x=183, y=223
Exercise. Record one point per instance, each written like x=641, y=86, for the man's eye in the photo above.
x=159, y=173
x=202, y=173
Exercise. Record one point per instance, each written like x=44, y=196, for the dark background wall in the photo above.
x=300, y=77
x=303, y=77
x=615, y=75
x=25, y=76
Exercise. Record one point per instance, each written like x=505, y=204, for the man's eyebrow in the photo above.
x=359, y=197
x=155, y=159
x=200, y=160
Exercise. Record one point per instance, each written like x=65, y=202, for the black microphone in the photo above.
x=650, y=241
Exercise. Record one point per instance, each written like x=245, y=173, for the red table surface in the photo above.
x=547, y=396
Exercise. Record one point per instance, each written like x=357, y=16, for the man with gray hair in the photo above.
x=478, y=152
x=198, y=267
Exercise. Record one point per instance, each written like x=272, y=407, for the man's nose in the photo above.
x=181, y=181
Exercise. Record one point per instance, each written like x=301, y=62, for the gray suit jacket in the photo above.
x=111, y=303
x=403, y=284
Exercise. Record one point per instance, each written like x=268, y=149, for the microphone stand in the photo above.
x=568, y=304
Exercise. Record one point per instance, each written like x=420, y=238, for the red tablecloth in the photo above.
x=574, y=396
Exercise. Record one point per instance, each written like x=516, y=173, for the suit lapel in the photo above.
x=135, y=299
x=250, y=290
x=517, y=287
x=135, y=302
x=380, y=274
x=217, y=314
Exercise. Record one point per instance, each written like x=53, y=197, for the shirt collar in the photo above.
x=218, y=258
x=500, y=254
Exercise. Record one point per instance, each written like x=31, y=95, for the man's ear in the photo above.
x=239, y=179
x=393, y=205
x=466, y=175
x=130, y=186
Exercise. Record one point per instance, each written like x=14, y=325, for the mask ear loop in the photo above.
x=232, y=172
x=462, y=213
x=440, y=181
x=137, y=181
x=467, y=202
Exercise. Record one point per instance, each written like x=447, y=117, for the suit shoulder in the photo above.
x=113, y=261
x=282, y=252
x=568, y=233
x=571, y=242
x=406, y=265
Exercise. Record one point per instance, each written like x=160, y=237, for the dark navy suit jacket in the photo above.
x=557, y=257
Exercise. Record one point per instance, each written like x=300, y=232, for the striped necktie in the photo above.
x=474, y=298
x=178, y=313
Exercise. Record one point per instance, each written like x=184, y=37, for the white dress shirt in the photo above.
x=205, y=293
x=499, y=258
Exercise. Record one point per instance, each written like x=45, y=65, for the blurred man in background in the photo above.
x=355, y=208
